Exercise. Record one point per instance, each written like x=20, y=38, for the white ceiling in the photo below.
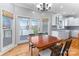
x=63, y=8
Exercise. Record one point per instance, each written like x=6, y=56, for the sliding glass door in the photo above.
x=23, y=29
x=7, y=30
x=26, y=26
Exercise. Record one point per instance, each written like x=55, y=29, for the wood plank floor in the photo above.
x=23, y=50
x=20, y=50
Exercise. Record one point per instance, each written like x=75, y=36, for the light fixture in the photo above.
x=61, y=6
x=44, y=6
x=33, y=12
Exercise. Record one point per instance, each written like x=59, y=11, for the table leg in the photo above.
x=38, y=52
x=31, y=51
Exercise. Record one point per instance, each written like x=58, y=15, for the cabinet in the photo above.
x=76, y=22
x=74, y=33
x=66, y=22
x=58, y=20
x=72, y=21
x=61, y=34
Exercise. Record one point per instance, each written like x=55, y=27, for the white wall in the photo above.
x=7, y=6
x=50, y=25
x=20, y=11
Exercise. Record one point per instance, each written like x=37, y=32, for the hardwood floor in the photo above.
x=23, y=50
x=20, y=50
x=74, y=49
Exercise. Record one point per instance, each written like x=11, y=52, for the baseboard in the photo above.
x=5, y=51
x=15, y=45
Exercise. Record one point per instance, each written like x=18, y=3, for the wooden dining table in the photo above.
x=43, y=41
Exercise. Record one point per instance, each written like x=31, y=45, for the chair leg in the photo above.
x=67, y=52
x=51, y=54
x=29, y=47
x=38, y=54
x=62, y=54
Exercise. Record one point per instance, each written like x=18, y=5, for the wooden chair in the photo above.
x=56, y=48
x=60, y=50
x=66, y=47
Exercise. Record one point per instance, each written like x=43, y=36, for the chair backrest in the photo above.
x=46, y=33
x=66, y=46
x=42, y=33
x=31, y=35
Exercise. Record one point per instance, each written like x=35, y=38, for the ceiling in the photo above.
x=63, y=8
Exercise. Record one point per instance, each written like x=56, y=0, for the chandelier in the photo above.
x=44, y=6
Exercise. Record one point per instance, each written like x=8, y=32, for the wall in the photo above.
x=7, y=6
x=20, y=11
x=49, y=23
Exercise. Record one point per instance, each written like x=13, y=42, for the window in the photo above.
x=35, y=25
x=24, y=27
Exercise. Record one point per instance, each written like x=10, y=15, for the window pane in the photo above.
x=35, y=23
x=7, y=22
x=23, y=22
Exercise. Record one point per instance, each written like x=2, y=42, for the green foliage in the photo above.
x=35, y=31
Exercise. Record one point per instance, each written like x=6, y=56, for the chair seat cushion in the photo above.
x=46, y=52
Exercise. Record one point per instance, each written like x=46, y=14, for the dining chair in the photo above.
x=60, y=50
x=46, y=33
x=31, y=46
x=66, y=47
x=42, y=33
x=45, y=52
x=56, y=48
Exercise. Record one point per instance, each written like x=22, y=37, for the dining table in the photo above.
x=42, y=42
